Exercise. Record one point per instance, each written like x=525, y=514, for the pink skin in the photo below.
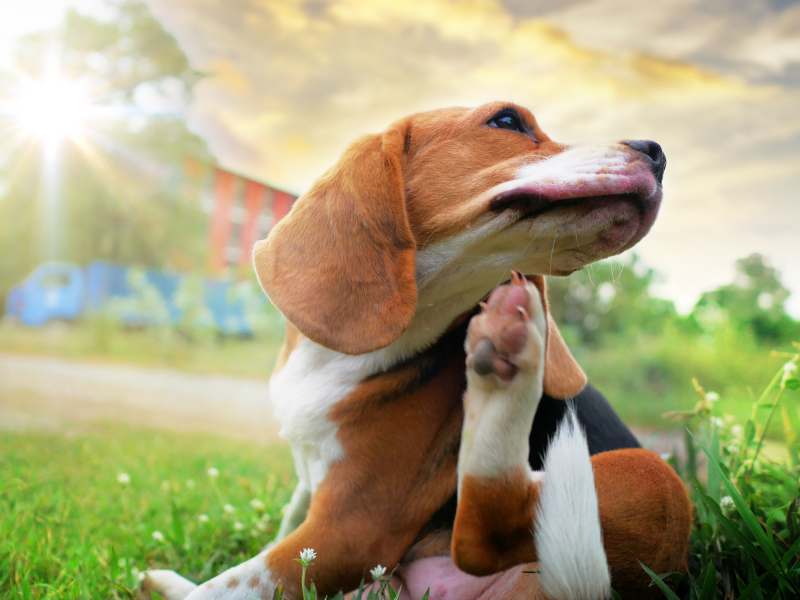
x=500, y=331
x=446, y=582
x=626, y=202
x=640, y=182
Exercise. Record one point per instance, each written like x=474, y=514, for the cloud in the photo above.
x=292, y=83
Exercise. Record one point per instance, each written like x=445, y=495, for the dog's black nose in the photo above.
x=652, y=150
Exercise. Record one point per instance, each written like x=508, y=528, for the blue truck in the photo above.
x=66, y=292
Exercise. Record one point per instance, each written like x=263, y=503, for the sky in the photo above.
x=291, y=82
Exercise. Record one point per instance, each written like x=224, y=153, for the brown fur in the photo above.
x=399, y=470
x=493, y=524
x=645, y=515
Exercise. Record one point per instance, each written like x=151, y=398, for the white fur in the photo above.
x=568, y=538
x=167, y=583
x=577, y=163
x=601, y=169
x=233, y=584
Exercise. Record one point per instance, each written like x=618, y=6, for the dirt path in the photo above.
x=51, y=393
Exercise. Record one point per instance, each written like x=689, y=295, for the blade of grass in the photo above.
x=660, y=583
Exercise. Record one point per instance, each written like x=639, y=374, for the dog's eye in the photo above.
x=507, y=119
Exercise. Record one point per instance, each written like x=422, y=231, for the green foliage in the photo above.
x=755, y=303
x=746, y=538
x=642, y=353
x=115, y=195
x=610, y=299
x=196, y=321
x=101, y=338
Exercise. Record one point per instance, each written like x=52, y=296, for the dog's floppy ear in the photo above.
x=563, y=376
x=340, y=265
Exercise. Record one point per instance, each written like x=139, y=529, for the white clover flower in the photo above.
x=257, y=504
x=213, y=472
x=789, y=369
x=237, y=526
x=158, y=536
x=203, y=518
x=712, y=397
x=123, y=478
x=308, y=555
x=229, y=508
x=726, y=504
x=736, y=430
x=377, y=572
x=717, y=422
x=190, y=484
x=665, y=456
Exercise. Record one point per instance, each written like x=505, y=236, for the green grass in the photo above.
x=646, y=376
x=746, y=536
x=100, y=342
x=70, y=529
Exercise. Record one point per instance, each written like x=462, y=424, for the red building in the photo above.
x=241, y=211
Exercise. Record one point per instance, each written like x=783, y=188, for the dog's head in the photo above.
x=418, y=223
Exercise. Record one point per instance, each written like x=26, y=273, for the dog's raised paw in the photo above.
x=508, y=335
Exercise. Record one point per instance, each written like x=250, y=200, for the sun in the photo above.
x=51, y=109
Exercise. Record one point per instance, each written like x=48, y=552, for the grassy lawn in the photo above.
x=648, y=376
x=643, y=378
x=83, y=513
x=71, y=529
x=100, y=342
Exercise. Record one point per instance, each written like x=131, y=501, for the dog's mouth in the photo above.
x=609, y=195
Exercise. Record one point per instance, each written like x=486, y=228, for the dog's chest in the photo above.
x=313, y=380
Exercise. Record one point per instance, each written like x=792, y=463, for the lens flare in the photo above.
x=51, y=109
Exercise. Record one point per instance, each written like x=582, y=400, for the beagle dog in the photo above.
x=419, y=415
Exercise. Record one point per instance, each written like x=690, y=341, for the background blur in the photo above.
x=146, y=144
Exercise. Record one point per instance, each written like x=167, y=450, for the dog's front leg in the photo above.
x=584, y=519
x=497, y=490
x=366, y=511
x=295, y=511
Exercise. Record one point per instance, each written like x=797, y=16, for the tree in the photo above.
x=118, y=189
x=756, y=301
x=609, y=298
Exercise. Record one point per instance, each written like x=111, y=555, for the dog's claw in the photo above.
x=518, y=278
x=523, y=313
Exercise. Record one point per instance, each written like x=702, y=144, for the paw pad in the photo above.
x=499, y=334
